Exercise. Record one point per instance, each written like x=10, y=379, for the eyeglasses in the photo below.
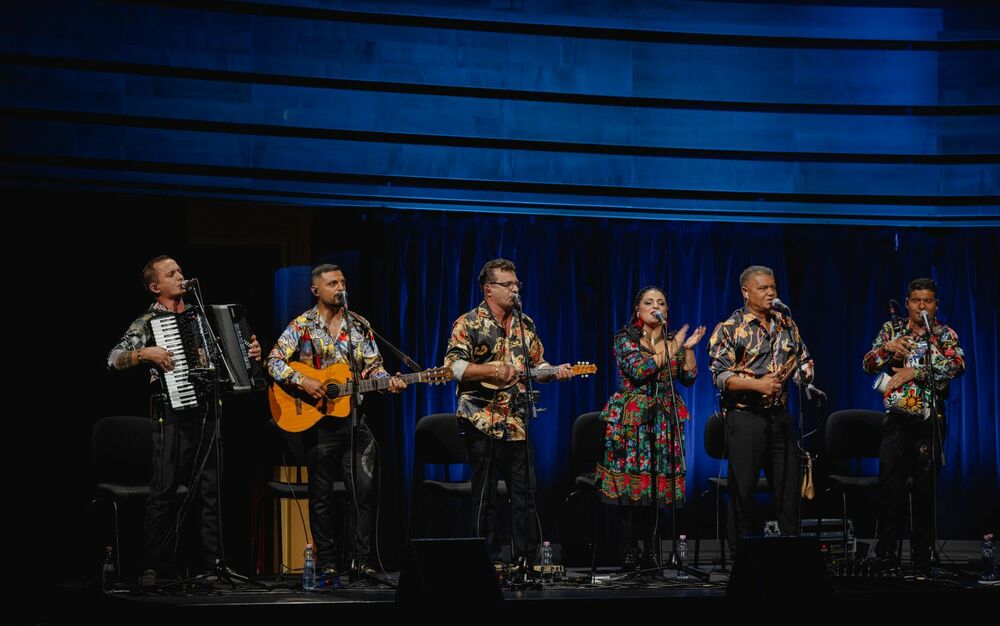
x=510, y=283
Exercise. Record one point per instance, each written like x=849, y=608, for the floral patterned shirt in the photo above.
x=743, y=346
x=641, y=382
x=306, y=336
x=140, y=335
x=947, y=359
x=477, y=337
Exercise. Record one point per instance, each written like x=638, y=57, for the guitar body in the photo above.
x=295, y=412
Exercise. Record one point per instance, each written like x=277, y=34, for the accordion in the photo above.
x=244, y=373
x=187, y=335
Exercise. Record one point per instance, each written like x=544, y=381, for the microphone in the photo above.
x=343, y=299
x=781, y=307
x=927, y=322
x=811, y=389
x=659, y=315
x=186, y=285
x=516, y=297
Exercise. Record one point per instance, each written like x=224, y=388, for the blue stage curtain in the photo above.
x=580, y=276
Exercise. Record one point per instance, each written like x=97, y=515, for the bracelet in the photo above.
x=496, y=371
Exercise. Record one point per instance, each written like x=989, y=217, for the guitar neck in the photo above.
x=378, y=384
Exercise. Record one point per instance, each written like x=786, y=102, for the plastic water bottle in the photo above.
x=309, y=569
x=108, y=569
x=989, y=569
x=682, y=557
x=546, y=559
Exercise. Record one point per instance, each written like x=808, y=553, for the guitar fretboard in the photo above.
x=374, y=384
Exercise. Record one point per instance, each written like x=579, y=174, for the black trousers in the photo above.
x=759, y=441
x=906, y=450
x=181, y=441
x=490, y=458
x=328, y=457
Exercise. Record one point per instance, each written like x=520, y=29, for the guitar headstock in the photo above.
x=437, y=375
x=583, y=368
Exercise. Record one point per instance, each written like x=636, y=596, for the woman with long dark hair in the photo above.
x=643, y=458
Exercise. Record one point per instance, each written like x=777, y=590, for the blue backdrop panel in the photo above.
x=808, y=107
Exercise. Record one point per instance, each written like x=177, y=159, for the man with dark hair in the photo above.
x=487, y=274
x=753, y=354
x=917, y=365
x=178, y=435
x=486, y=347
x=320, y=338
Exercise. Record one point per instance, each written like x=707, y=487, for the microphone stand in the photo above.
x=217, y=358
x=807, y=389
x=413, y=365
x=356, y=398
x=531, y=414
x=675, y=430
x=357, y=568
x=937, y=441
x=637, y=518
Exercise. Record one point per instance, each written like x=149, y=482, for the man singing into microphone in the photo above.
x=178, y=435
x=319, y=338
x=486, y=347
x=753, y=354
x=911, y=440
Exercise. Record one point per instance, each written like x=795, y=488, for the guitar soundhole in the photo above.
x=332, y=391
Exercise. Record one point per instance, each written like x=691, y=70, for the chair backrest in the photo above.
x=122, y=450
x=853, y=434
x=715, y=437
x=587, y=444
x=439, y=440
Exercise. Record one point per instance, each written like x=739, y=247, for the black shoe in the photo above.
x=210, y=577
x=328, y=578
x=881, y=565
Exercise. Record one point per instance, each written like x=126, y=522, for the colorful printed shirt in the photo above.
x=641, y=382
x=477, y=337
x=947, y=359
x=743, y=346
x=138, y=336
x=307, y=337
x=643, y=458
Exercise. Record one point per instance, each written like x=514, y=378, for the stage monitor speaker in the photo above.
x=454, y=569
x=778, y=567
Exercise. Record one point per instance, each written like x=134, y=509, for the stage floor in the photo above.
x=574, y=598
x=953, y=584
